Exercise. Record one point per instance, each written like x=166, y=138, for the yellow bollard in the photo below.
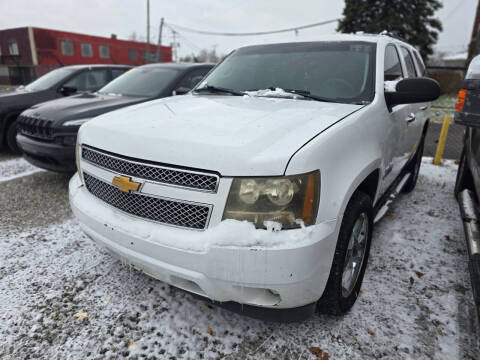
x=442, y=140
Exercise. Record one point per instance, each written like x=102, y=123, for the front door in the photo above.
x=397, y=126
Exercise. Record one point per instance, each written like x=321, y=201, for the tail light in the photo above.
x=462, y=95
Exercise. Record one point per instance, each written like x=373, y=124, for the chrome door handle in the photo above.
x=424, y=107
x=410, y=118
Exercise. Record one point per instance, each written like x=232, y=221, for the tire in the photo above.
x=338, y=298
x=11, y=138
x=414, y=169
x=464, y=178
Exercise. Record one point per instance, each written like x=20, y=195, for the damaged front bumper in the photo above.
x=284, y=276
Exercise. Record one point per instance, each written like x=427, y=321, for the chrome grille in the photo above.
x=35, y=127
x=194, y=216
x=185, y=178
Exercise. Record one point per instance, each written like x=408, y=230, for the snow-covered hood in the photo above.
x=234, y=135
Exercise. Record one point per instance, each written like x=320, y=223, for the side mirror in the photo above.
x=181, y=91
x=413, y=90
x=67, y=90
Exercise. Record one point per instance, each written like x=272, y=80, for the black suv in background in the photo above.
x=64, y=81
x=467, y=186
x=47, y=132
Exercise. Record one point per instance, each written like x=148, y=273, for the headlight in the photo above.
x=285, y=200
x=76, y=122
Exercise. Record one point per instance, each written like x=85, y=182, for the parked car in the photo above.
x=262, y=185
x=47, y=132
x=467, y=186
x=64, y=81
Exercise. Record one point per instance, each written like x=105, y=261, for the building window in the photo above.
x=13, y=47
x=132, y=54
x=151, y=57
x=104, y=51
x=67, y=47
x=86, y=50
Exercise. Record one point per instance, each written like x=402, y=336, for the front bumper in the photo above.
x=282, y=277
x=46, y=155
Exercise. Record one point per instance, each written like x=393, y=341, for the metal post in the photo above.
x=147, y=53
x=441, y=141
x=174, y=46
x=159, y=44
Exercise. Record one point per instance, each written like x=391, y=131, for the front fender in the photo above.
x=345, y=154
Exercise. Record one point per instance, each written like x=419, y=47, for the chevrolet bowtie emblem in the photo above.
x=125, y=183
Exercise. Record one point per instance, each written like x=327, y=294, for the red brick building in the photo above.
x=29, y=52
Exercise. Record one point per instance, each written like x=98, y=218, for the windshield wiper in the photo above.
x=219, y=89
x=307, y=94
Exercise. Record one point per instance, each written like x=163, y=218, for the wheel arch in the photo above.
x=5, y=122
x=368, y=181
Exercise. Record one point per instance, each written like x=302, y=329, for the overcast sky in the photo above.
x=124, y=17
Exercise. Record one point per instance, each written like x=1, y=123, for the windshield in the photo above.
x=142, y=81
x=49, y=79
x=336, y=71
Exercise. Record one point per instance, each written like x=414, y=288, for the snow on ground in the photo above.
x=62, y=297
x=15, y=168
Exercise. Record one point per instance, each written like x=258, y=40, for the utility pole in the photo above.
x=174, y=46
x=474, y=46
x=147, y=53
x=157, y=55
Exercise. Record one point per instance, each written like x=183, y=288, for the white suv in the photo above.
x=261, y=186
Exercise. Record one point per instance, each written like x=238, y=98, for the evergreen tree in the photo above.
x=412, y=20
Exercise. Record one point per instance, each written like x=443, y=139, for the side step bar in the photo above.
x=471, y=226
x=382, y=207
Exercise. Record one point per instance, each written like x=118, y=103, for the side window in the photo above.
x=407, y=57
x=13, y=47
x=104, y=51
x=117, y=72
x=90, y=80
x=193, y=78
x=132, y=54
x=67, y=47
x=420, y=63
x=393, y=68
x=87, y=50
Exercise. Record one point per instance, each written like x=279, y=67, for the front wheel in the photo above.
x=414, y=169
x=351, y=257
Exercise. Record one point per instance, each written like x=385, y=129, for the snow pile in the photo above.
x=227, y=233
x=391, y=85
x=278, y=93
x=15, y=168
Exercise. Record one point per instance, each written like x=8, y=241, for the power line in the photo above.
x=252, y=33
x=450, y=14
x=192, y=44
